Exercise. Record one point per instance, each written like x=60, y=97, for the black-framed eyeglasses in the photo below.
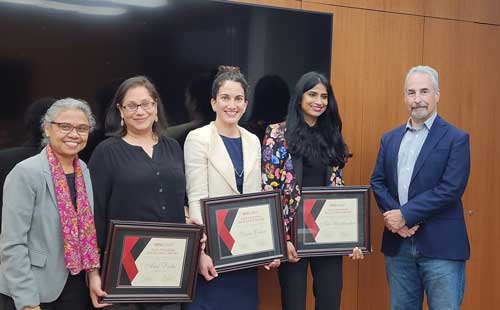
x=66, y=128
x=133, y=106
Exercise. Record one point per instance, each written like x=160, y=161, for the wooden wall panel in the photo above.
x=398, y=6
x=483, y=11
x=295, y=4
x=371, y=53
x=372, y=50
x=466, y=54
x=269, y=290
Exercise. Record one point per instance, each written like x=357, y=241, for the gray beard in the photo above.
x=420, y=114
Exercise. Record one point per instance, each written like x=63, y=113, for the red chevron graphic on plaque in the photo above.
x=309, y=219
x=224, y=233
x=128, y=260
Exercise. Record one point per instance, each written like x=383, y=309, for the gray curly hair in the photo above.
x=63, y=105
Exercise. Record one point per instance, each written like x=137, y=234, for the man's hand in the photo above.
x=406, y=232
x=394, y=220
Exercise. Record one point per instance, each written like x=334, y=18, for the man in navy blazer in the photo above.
x=420, y=175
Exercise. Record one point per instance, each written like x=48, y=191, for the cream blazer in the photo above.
x=209, y=170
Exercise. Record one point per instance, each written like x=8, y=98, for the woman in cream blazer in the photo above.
x=223, y=159
x=209, y=171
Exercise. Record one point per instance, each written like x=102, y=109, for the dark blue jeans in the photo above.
x=410, y=274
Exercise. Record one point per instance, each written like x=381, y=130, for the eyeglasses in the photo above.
x=66, y=128
x=133, y=106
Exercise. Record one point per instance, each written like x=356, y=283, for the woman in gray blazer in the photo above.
x=48, y=239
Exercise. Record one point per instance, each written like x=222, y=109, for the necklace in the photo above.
x=239, y=175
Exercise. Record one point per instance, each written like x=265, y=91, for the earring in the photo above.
x=121, y=122
x=156, y=119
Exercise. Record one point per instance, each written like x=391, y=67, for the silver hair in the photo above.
x=63, y=105
x=431, y=72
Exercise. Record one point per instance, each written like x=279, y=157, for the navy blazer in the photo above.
x=435, y=192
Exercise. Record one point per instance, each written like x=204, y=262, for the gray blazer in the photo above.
x=32, y=269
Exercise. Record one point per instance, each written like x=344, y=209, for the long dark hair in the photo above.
x=113, y=117
x=323, y=141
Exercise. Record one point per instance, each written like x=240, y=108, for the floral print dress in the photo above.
x=278, y=172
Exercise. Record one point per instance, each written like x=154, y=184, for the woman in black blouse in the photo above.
x=307, y=150
x=138, y=173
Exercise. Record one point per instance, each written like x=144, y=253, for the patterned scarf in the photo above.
x=78, y=230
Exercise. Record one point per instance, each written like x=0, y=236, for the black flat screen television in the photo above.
x=84, y=49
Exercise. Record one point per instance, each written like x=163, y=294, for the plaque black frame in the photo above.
x=234, y=262
x=113, y=263
x=299, y=230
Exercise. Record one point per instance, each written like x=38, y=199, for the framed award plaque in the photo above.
x=150, y=262
x=244, y=230
x=332, y=221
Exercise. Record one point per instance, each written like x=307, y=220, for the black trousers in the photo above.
x=74, y=296
x=327, y=283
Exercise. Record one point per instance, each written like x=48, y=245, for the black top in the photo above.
x=70, y=178
x=130, y=185
x=313, y=173
x=235, y=150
